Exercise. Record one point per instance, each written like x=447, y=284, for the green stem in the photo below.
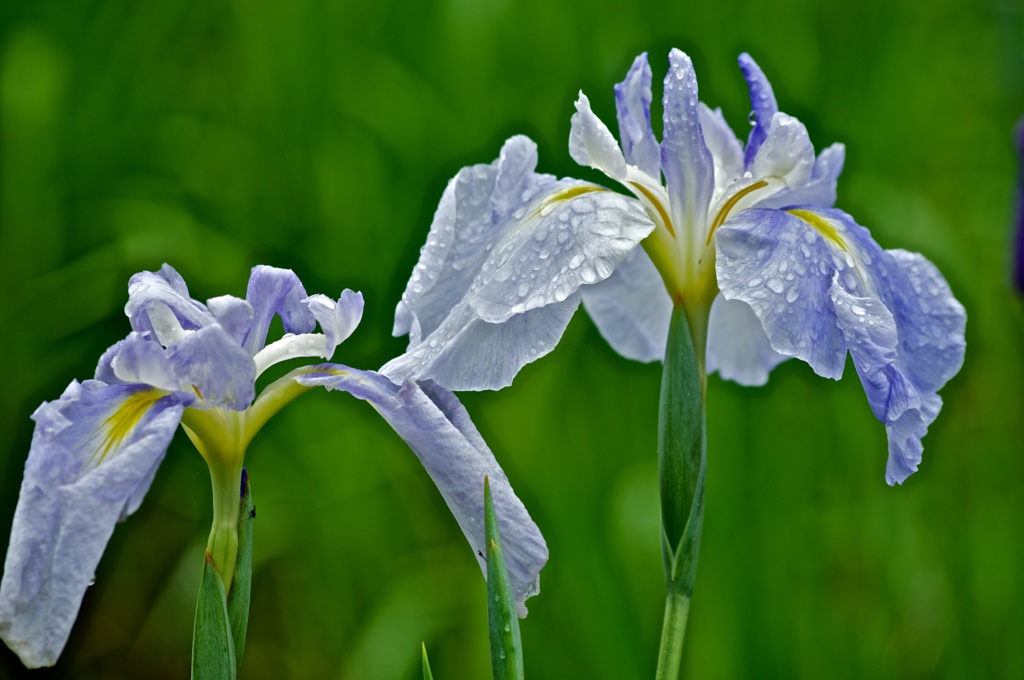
x=673, y=630
x=223, y=543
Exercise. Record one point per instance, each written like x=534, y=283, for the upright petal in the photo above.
x=439, y=431
x=234, y=315
x=633, y=109
x=337, y=319
x=725, y=148
x=737, y=345
x=94, y=452
x=685, y=160
x=786, y=153
x=591, y=142
x=632, y=309
x=275, y=291
x=819, y=190
x=212, y=363
x=157, y=300
x=762, y=104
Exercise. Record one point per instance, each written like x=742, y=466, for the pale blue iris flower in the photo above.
x=96, y=450
x=743, y=237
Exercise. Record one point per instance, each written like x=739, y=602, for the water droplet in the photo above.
x=792, y=294
x=775, y=285
x=519, y=213
x=524, y=288
x=575, y=261
x=858, y=310
x=588, y=275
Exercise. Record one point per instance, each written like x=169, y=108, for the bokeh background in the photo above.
x=319, y=136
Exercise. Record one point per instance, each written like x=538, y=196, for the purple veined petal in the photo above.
x=467, y=353
x=93, y=455
x=819, y=190
x=738, y=348
x=275, y=291
x=726, y=150
x=871, y=333
x=781, y=267
x=337, y=319
x=786, y=153
x=633, y=109
x=234, y=315
x=592, y=144
x=762, y=103
x=439, y=431
x=686, y=161
x=632, y=309
x=464, y=229
x=210, y=361
x=152, y=295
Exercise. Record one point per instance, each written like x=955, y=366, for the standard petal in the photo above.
x=782, y=268
x=592, y=144
x=762, y=103
x=275, y=291
x=633, y=109
x=632, y=309
x=93, y=455
x=439, y=431
x=685, y=160
x=223, y=374
x=467, y=353
x=737, y=345
x=160, y=302
x=337, y=319
x=234, y=315
x=141, y=359
x=725, y=148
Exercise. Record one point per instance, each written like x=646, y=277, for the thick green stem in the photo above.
x=223, y=543
x=682, y=457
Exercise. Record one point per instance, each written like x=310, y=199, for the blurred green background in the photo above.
x=319, y=136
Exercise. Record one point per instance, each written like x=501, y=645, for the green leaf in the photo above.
x=506, y=646
x=427, y=675
x=682, y=455
x=238, y=600
x=213, y=654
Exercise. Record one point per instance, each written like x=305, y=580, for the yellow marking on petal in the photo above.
x=562, y=196
x=723, y=214
x=123, y=420
x=823, y=227
x=657, y=206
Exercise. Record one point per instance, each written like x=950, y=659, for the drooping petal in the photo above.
x=337, y=319
x=725, y=148
x=685, y=160
x=819, y=190
x=439, y=431
x=762, y=104
x=467, y=353
x=234, y=315
x=737, y=345
x=633, y=109
x=782, y=268
x=592, y=144
x=275, y=291
x=632, y=309
x=482, y=269
x=159, y=302
x=93, y=455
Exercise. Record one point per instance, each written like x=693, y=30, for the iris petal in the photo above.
x=93, y=455
x=738, y=348
x=439, y=431
x=762, y=104
x=633, y=109
x=275, y=291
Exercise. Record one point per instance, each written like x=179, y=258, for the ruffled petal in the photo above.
x=337, y=319
x=482, y=269
x=786, y=153
x=275, y=291
x=439, y=431
x=633, y=109
x=685, y=159
x=737, y=345
x=160, y=303
x=93, y=455
x=632, y=309
x=819, y=190
x=762, y=104
x=592, y=144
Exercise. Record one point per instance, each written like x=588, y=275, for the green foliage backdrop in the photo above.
x=319, y=136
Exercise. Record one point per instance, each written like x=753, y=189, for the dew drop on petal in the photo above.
x=752, y=118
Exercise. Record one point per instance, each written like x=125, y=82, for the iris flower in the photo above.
x=743, y=237
x=96, y=450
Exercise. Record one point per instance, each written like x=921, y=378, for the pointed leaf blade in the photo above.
x=213, y=654
x=238, y=600
x=427, y=675
x=506, y=645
